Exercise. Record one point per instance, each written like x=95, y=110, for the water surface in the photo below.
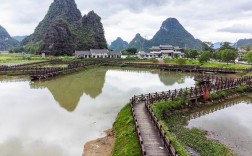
x=228, y=122
x=57, y=117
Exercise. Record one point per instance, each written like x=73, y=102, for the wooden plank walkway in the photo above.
x=150, y=136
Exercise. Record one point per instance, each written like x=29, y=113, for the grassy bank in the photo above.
x=126, y=142
x=11, y=59
x=208, y=64
x=174, y=123
x=194, y=138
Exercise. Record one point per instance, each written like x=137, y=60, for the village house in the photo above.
x=98, y=53
x=167, y=51
x=143, y=54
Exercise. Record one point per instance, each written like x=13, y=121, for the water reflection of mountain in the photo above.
x=67, y=90
x=170, y=78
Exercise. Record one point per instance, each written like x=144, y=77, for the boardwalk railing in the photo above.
x=185, y=68
x=162, y=133
x=193, y=92
x=143, y=152
x=74, y=64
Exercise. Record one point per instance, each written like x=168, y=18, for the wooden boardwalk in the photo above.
x=151, y=136
x=152, y=143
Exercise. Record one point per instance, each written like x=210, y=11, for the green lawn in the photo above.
x=126, y=142
x=11, y=59
x=182, y=137
x=209, y=64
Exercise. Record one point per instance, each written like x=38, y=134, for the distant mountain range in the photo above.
x=119, y=44
x=244, y=43
x=239, y=43
x=19, y=38
x=171, y=32
x=6, y=41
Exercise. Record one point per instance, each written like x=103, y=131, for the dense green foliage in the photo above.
x=248, y=56
x=131, y=51
x=191, y=53
x=224, y=93
x=126, y=142
x=208, y=64
x=228, y=55
x=163, y=109
x=226, y=45
x=205, y=56
x=206, y=47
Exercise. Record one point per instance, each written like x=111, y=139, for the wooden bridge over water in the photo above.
x=152, y=137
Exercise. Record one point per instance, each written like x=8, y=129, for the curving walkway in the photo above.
x=151, y=139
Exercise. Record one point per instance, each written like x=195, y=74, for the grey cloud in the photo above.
x=238, y=28
x=140, y=14
x=110, y=7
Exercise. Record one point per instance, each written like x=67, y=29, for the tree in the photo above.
x=216, y=55
x=132, y=51
x=226, y=45
x=248, y=56
x=206, y=47
x=228, y=55
x=205, y=56
x=125, y=53
x=191, y=53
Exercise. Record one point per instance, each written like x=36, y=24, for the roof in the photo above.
x=141, y=53
x=155, y=52
x=155, y=48
x=114, y=53
x=166, y=46
x=99, y=51
x=177, y=48
x=82, y=52
x=167, y=51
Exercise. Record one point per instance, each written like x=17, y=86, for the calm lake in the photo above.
x=57, y=117
x=228, y=122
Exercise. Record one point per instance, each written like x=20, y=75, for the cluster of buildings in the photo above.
x=98, y=53
x=163, y=51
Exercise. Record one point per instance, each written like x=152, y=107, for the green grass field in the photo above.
x=209, y=64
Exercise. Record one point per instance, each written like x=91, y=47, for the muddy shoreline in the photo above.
x=101, y=146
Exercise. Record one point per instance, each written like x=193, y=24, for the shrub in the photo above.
x=181, y=61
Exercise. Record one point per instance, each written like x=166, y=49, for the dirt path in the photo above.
x=101, y=146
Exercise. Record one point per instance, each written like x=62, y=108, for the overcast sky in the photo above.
x=207, y=20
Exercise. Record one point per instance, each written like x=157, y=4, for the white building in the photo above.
x=142, y=54
x=98, y=53
x=167, y=51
